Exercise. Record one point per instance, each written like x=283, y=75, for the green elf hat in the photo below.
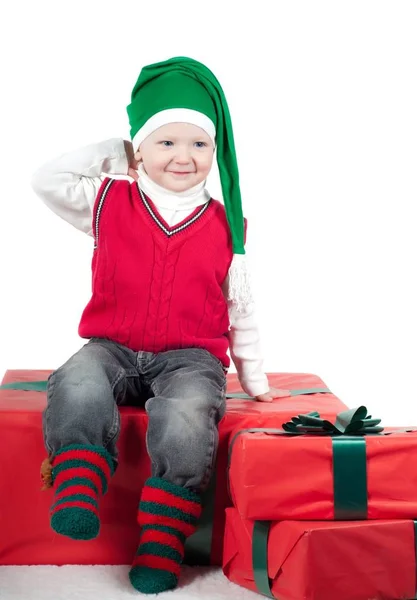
x=183, y=90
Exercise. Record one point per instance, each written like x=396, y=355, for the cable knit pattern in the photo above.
x=156, y=287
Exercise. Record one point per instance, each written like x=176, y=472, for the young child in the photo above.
x=170, y=296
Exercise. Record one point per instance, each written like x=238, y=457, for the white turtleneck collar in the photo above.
x=183, y=202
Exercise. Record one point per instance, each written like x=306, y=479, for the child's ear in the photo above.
x=138, y=156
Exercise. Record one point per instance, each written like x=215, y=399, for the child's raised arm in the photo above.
x=69, y=184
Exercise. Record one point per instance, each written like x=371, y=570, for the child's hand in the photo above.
x=273, y=393
x=132, y=162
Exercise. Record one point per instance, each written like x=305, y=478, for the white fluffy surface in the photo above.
x=110, y=583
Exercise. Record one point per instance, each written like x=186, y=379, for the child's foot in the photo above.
x=80, y=476
x=168, y=514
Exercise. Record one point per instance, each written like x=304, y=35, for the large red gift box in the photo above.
x=322, y=560
x=26, y=537
x=276, y=476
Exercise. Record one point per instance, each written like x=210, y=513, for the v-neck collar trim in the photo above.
x=162, y=224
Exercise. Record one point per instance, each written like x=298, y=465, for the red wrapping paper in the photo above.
x=319, y=560
x=24, y=510
x=279, y=477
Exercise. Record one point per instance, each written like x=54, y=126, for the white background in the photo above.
x=323, y=97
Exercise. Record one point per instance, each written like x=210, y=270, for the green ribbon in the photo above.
x=26, y=386
x=41, y=386
x=301, y=392
x=260, y=557
x=350, y=489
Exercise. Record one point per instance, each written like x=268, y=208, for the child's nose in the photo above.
x=183, y=155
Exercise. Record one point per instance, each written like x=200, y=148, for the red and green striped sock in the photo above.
x=80, y=475
x=168, y=514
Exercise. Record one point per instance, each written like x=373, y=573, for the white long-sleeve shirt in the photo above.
x=69, y=184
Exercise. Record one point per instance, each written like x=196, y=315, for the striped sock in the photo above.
x=168, y=514
x=80, y=475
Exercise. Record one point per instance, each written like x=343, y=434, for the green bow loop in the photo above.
x=355, y=421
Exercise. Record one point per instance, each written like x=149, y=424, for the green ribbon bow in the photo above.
x=355, y=421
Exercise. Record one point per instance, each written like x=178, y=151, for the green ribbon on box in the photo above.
x=26, y=386
x=260, y=557
x=41, y=386
x=349, y=455
x=301, y=392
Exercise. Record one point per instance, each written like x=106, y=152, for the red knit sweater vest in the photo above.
x=155, y=287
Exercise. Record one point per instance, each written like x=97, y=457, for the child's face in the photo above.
x=177, y=156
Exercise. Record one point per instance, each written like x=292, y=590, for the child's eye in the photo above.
x=200, y=144
x=166, y=143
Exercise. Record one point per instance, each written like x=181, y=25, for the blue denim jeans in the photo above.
x=182, y=391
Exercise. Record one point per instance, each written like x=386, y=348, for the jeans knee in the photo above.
x=81, y=405
x=77, y=392
x=183, y=445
